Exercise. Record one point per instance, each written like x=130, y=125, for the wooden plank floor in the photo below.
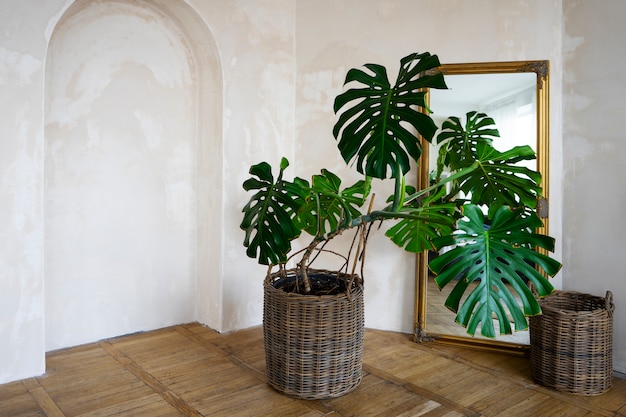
x=190, y=370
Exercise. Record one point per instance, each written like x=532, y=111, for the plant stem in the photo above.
x=302, y=267
x=390, y=211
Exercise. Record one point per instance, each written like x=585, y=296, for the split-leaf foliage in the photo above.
x=479, y=206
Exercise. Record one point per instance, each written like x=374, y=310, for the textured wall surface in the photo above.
x=256, y=46
x=594, y=147
x=153, y=113
x=129, y=197
x=22, y=50
x=120, y=170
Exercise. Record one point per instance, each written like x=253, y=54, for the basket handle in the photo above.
x=610, y=307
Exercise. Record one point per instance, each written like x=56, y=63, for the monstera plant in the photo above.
x=481, y=210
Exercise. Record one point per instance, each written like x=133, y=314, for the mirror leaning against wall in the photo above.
x=516, y=95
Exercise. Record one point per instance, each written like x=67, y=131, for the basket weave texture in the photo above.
x=313, y=344
x=571, y=343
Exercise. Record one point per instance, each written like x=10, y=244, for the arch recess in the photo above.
x=133, y=167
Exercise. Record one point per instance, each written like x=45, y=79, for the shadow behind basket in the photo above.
x=571, y=343
x=313, y=344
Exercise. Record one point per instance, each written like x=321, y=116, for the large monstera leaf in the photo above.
x=459, y=141
x=378, y=123
x=499, y=180
x=421, y=224
x=270, y=216
x=494, y=264
x=328, y=207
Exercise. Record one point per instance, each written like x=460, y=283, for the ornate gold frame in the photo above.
x=542, y=71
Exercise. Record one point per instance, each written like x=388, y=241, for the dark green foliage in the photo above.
x=269, y=217
x=498, y=179
x=374, y=126
x=419, y=225
x=329, y=208
x=491, y=258
x=459, y=143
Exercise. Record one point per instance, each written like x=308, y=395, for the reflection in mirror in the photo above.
x=509, y=99
x=515, y=95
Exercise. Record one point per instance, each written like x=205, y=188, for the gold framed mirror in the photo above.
x=516, y=95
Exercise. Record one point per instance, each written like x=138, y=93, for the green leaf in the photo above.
x=269, y=215
x=415, y=232
x=459, y=143
x=419, y=225
x=379, y=124
x=494, y=264
x=328, y=207
x=499, y=181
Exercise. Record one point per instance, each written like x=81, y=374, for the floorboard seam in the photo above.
x=525, y=384
x=153, y=383
x=261, y=376
x=423, y=392
x=220, y=351
x=43, y=399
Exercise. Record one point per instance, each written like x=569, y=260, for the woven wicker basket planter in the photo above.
x=313, y=344
x=571, y=343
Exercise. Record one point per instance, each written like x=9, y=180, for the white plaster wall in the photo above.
x=593, y=153
x=22, y=50
x=258, y=53
x=120, y=171
x=256, y=46
x=333, y=37
x=256, y=39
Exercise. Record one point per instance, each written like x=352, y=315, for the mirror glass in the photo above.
x=514, y=94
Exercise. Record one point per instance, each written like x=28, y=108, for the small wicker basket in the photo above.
x=571, y=343
x=313, y=344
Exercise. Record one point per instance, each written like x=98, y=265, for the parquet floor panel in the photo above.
x=190, y=370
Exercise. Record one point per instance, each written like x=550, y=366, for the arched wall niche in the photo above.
x=133, y=166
